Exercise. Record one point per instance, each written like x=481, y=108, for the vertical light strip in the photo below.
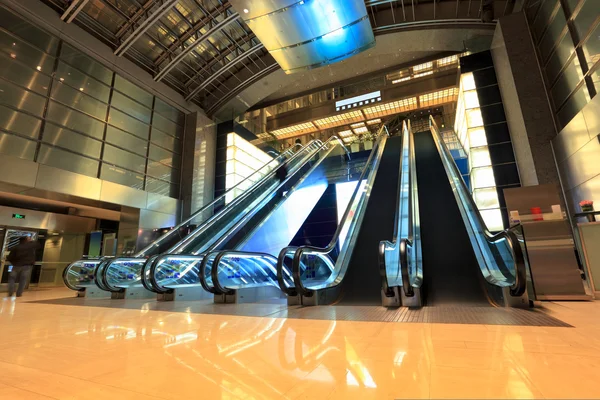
x=471, y=134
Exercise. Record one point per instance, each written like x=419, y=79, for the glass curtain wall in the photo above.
x=567, y=37
x=61, y=108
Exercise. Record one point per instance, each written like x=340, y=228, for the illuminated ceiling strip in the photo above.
x=144, y=26
x=233, y=17
x=351, y=100
x=78, y=6
x=223, y=69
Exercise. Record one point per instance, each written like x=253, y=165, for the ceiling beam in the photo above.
x=224, y=68
x=75, y=8
x=203, y=22
x=229, y=50
x=144, y=26
x=188, y=49
x=243, y=85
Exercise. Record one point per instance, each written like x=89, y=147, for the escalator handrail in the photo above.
x=296, y=273
x=180, y=246
x=402, y=242
x=171, y=232
x=206, y=224
x=220, y=289
x=109, y=263
x=66, y=271
x=204, y=263
x=142, y=253
x=520, y=285
x=99, y=275
x=154, y=263
x=289, y=291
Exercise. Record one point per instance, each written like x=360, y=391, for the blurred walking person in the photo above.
x=22, y=258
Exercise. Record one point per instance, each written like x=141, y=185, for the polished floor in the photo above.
x=57, y=351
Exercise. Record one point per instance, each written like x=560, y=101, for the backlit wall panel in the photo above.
x=243, y=159
x=482, y=128
x=483, y=184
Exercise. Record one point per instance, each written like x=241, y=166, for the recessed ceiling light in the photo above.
x=246, y=11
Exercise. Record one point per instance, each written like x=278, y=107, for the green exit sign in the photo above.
x=19, y=216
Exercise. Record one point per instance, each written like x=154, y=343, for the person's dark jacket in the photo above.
x=23, y=254
x=281, y=172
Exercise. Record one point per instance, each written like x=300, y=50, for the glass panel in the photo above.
x=474, y=118
x=486, y=198
x=483, y=177
x=543, y=16
x=21, y=98
x=586, y=17
x=21, y=51
x=166, y=141
x=128, y=124
x=575, y=103
x=124, y=86
x=124, y=159
x=471, y=99
x=58, y=158
x=164, y=156
x=16, y=146
x=552, y=34
x=559, y=58
x=572, y=4
x=18, y=122
x=131, y=107
x=30, y=33
x=493, y=220
x=162, y=188
x=78, y=100
x=163, y=172
x=167, y=126
x=480, y=157
x=81, y=81
x=122, y=176
x=126, y=141
x=566, y=83
x=86, y=64
x=170, y=112
x=591, y=48
x=75, y=120
x=58, y=136
x=23, y=76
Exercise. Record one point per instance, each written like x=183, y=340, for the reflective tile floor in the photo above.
x=55, y=351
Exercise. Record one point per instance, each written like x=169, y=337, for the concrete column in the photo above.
x=528, y=113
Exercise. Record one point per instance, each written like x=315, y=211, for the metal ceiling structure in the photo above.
x=204, y=50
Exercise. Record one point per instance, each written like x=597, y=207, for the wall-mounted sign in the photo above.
x=358, y=101
x=19, y=216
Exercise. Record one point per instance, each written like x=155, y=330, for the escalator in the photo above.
x=450, y=269
x=94, y=272
x=266, y=226
x=442, y=253
x=249, y=260
x=362, y=284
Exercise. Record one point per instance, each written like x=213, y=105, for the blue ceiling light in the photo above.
x=307, y=34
